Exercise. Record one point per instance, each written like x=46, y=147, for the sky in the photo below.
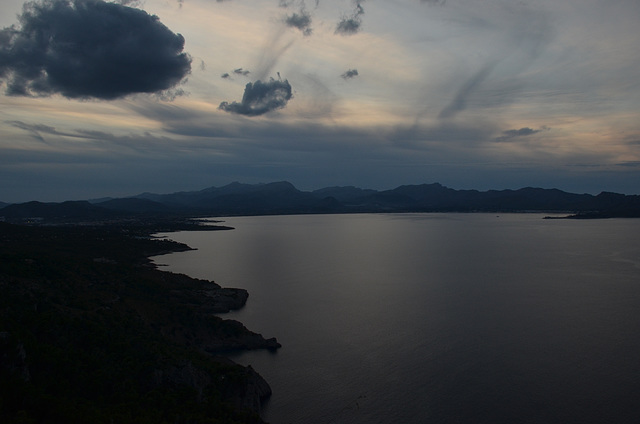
x=111, y=99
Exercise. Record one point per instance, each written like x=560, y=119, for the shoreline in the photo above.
x=95, y=289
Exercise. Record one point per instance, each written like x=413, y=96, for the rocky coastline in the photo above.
x=92, y=331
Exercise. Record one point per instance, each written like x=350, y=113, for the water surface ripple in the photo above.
x=435, y=318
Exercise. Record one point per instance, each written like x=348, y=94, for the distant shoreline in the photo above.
x=282, y=198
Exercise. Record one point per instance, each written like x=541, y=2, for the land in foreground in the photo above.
x=90, y=331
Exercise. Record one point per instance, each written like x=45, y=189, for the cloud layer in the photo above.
x=89, y=49
x=491, y=94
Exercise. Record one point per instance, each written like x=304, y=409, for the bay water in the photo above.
x=434, y=318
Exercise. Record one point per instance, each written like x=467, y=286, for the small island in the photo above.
x=92, y=331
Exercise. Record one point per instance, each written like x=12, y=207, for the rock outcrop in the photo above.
x=114, y=339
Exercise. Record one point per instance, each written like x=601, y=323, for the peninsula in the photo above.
x=92, y=331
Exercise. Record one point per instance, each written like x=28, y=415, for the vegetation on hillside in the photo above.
x=90, y=332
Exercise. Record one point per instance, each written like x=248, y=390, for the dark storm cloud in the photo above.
x=522, y=132
x=300, y=20
x=351, y=73
x=260, y=97
x=350, y=24
x=89, y=49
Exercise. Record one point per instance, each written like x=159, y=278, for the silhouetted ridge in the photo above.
x=347, y=194
x=283, y=198
x=134, y=205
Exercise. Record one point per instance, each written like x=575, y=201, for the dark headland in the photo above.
x=92, y=332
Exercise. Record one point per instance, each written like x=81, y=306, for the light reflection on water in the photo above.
x=435, y=318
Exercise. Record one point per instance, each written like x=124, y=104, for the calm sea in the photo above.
x=435, y=318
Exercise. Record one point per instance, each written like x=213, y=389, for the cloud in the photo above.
x=351, y=73
x=509, y=135
x=459, y=102
x=506, y=59
x=131, y=3
x=240, y=71
x=35, y=130
x=301, y=21
x=260, y=97
x=434, y=2
x=89, y=49
x=169, y=95
x=350, y=24
x=271, y=52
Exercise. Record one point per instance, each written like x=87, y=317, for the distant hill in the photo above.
x=347, y=195
x=240, y=199
x=283, y=197
x=134, y=205
x=2, y=204
x=280, y=198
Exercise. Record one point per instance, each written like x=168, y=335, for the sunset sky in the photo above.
x=102, y=99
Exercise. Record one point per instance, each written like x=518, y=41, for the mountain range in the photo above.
x=283, y=198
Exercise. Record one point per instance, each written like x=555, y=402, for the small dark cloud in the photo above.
x=260, y=97
x=434, y=2
x=509, y=135
x=90, y=49
x=240, y=71
x=630, y=164
x=300, y=20
x=351, y=73
x=350, y=24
